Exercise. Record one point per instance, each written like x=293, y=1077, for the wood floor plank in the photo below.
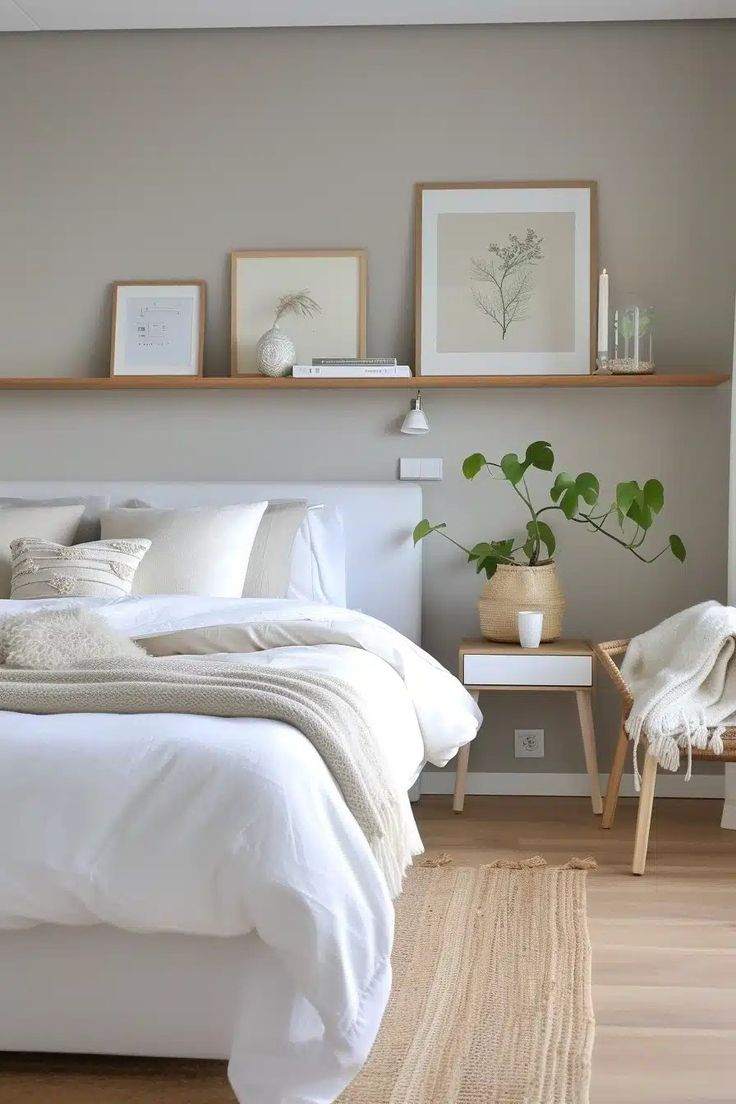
x=644, y=1007
x=639, y=1066
x=666, y=966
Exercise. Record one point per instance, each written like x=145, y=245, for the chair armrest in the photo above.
x=605, y=654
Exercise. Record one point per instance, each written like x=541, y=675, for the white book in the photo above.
x=351, y=371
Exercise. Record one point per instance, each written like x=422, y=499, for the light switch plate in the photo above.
x=420, y=468
x=431, y=469
x=409, y=468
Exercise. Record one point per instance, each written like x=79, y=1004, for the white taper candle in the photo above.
x=603, y=312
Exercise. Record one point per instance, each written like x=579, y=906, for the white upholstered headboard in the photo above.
x=384, y=570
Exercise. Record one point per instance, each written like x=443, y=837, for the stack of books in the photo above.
x=352, y=368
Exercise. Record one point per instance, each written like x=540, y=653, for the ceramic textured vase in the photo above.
x=514, y=588
x=275, y=353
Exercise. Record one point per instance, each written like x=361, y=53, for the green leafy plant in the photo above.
x=577, y=497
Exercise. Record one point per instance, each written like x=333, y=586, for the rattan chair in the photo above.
x=606, y=654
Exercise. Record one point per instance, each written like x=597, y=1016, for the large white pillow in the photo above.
x=269, y=567
x=199, y=551
x=318, y=559
x=89, y=524
x=54, y=523
x=299, y=552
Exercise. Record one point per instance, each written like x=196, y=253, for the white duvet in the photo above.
x=214, y=826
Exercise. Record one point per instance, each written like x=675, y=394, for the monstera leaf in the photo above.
x=677, y=547
x=538, y=455
x=639, y=504
x=488, y=554
x=540, y=532
x=424, y=528
x=473, y=464
x=567, y=490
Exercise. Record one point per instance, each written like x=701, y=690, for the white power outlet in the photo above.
x=529, y=743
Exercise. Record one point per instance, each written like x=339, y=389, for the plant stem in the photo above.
x=506, y=559
x=587, y=519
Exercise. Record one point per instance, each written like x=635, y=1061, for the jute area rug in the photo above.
x=491, y=1002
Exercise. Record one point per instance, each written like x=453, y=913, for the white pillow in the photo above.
x=318, y=558
x=89, y=525
x=269, y=567
x=99, y=569
x=54, y=523
x=299, y=552
x=200, y=551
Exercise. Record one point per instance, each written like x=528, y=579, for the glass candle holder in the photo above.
x=631, y=347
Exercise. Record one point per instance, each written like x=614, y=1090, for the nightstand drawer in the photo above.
x=527, y=670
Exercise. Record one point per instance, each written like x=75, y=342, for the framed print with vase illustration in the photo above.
x=158, y=327
x=288, y=306
x=506, y=278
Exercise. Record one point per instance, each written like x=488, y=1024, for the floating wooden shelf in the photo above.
x=239, y=383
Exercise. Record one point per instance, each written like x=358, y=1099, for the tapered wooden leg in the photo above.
x=461, y=772
x=644, y=816
x=585, y=712
x=614, y=778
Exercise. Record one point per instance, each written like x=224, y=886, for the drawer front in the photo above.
x=527, y=670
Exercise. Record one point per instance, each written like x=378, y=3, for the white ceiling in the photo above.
x=87, y=15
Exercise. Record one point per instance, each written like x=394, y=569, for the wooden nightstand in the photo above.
x=564, y=665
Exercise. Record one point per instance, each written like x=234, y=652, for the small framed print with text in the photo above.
x=506, y=278
x=158, y=327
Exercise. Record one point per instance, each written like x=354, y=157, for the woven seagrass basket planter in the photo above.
x=514, y=588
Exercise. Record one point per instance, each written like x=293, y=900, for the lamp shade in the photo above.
x=416, y=420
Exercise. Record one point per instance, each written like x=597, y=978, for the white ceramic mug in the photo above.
x=530, y=627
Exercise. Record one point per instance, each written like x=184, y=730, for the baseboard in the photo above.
x=566, y=785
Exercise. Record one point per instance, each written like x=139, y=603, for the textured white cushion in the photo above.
x=54, y=523
x=201, y=551
x=99, y=569
x=62, y=639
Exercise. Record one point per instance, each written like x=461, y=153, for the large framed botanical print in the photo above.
x=506, y=278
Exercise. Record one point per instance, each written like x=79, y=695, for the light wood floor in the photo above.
x=664, y=958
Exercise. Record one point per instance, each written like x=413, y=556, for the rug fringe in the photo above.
x=518, y=864
x=588, y=863
x=443, y=859
x=536, y=862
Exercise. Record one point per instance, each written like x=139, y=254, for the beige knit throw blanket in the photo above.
x=682, y=677
x=326, y=711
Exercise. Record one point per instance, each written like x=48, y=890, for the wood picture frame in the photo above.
x=247, y=326
x=443, y=345
x=176, y=353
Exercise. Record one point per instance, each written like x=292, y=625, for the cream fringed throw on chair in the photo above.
x=682, y=679
x=677, y=686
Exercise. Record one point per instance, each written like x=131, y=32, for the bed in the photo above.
x=286, y=975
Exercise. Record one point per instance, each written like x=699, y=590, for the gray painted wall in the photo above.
x=144, y=155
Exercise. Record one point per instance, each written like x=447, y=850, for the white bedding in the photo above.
x=205, y=825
